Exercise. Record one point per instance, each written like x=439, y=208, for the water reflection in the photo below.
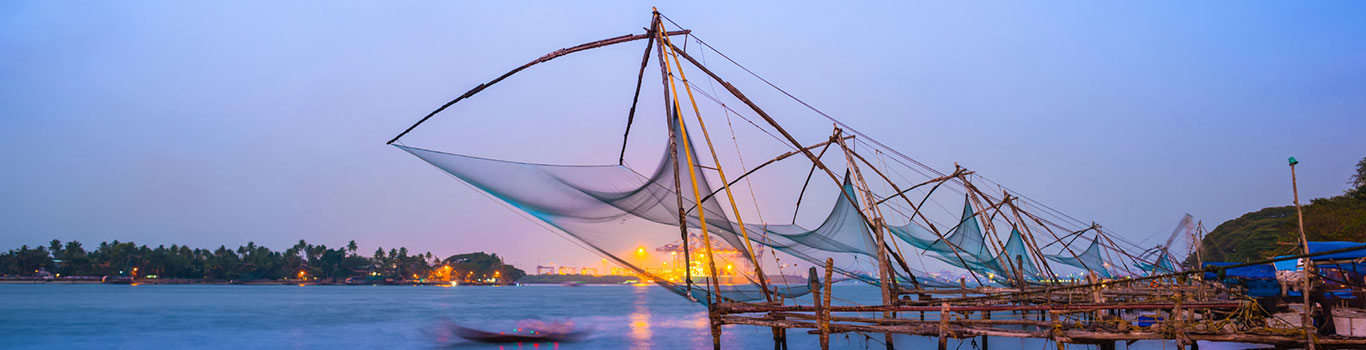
x=640, y=321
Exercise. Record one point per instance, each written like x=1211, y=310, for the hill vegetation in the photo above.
x=1272, y=231
x=249, y=263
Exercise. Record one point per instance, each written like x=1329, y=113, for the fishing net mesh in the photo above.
x=615, y=210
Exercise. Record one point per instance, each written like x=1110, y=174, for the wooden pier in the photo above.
x=1033, y=301
x=1101, y=313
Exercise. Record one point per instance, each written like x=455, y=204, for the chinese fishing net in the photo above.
x=613, y=209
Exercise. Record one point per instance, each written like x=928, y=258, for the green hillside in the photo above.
x=1272, y=231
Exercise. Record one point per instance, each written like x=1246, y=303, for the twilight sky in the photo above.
x=213, y=124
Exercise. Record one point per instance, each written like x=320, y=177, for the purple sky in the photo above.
x=217, y=124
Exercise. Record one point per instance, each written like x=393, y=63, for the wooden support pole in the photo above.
x=943, y=326
x=771, y=122
x=770, y=161
x=782, y=331
x=886, y=276
x=1096, y=296
x=640, y=78
x=673, y=155
x=1308, y=262
x=958, y=172
x=1056, y=238
x=550, y=56
x=715, y=328
x=1065, y=336
x=976, y=196
x=1199, y=240
x=825, y=311
x=774, y=123
x=1177, y=322
x=716, y=161
x=986, y=341
x=1019, y=270
x=1057, y=333
x=692, y=174
x=1030, y=241
x=813, y=283
x=807, y=182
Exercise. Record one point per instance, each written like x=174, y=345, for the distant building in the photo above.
x=674, y=262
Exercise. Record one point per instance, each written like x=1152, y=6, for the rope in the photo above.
x=898, y=157
x=749, y=184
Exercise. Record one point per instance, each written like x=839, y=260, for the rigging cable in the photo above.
x=749, y=184
x=893, y=151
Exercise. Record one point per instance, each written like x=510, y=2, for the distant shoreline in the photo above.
x=126, y=281
x=168, y=281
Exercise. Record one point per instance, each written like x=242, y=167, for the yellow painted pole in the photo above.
x=692, y=174
x=716, y=161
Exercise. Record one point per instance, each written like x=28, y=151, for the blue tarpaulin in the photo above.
x=1323, y=246
x=1260, y=280
x=1316, y=247
x=1264, y=271
x=1287, y=265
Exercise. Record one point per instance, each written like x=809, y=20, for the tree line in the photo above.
x=249, y=262
x=1273, y=231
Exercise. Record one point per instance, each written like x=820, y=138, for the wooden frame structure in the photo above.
x=1093, y=311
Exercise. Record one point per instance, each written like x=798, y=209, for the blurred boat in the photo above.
x=527, y=331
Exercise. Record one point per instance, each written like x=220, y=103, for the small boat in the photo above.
x=1148, y=319
x=541, y=332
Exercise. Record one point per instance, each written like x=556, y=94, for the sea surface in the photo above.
x=53, y=316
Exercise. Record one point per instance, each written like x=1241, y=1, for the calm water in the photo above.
x=292, y=317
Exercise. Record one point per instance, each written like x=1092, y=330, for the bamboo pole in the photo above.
x=886, y=276
x=807, y=182
x=825, y=313
x=1178, y=322
x=1068, y=335
x=1199, y=241
x=770, y=161
x=716, y=161
x=771, y=122
x=902, y=194
x=550, y=56
x=975, y=198
x=1030, y=241
x=673, y=155
x=714, y=281
x=958, y=172
x=739, y=308
x=986, y=340
x=769, y=119
x=1097, y=296
x=692, y=175
x=943, y=326
x=640, y=78
x=813, y=283
x=1308, y=262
